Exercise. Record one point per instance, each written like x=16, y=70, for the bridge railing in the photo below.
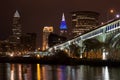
x=111, y=26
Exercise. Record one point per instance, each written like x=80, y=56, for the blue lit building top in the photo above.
x=63, y=25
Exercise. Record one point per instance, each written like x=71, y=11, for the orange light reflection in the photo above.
x=38, y=72
x=12, y=72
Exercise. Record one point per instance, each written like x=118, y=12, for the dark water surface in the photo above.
x=57, y=72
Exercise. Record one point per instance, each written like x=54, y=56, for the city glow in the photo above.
x=81, y=56
x=11, y=55
x=38, y=56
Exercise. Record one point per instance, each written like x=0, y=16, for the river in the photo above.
x=9, y=71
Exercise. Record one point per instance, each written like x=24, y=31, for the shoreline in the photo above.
x=60, y=61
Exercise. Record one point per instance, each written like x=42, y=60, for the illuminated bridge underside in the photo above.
x=106, y=33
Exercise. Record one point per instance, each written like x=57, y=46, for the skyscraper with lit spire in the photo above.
x=16, y=28
x=63, y=27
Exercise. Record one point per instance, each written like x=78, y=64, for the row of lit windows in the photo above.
x=86, y=18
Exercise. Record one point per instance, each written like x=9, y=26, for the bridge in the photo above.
x=104, y=38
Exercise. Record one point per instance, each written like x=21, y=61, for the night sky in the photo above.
x=38, y=13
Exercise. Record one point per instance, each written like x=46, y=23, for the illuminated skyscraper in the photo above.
x=46, y=31
x=16, y=28
x=83, y=21
x=63, y=27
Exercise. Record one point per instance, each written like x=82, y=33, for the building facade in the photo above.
x=83, y=21
x=46, y=31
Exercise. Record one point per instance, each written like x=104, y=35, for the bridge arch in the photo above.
x=115, y=41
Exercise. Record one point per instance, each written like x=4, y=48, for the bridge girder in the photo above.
x=115, y=41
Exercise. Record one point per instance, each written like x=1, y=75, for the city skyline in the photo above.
x=36, y=14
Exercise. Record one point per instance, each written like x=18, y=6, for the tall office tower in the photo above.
x=63, y=27
x=46, y=31
x=16, y=28
x=83, y=21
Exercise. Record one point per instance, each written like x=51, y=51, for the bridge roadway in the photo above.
x=105, y=33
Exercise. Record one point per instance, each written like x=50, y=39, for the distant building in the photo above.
x=63, y=27
x=16, y=29
x=5, y=46
x=46, y=31
x=54, y=39
x=28, y=41
x=83, y=21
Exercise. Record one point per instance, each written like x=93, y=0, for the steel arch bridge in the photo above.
x=108, y=33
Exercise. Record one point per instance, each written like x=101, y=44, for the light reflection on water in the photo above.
x=105, y=73
x=57, y=72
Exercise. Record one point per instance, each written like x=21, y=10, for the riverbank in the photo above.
x=59, y=61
